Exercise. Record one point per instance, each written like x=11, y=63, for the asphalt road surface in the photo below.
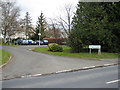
x=106, y=77
x=27, y=62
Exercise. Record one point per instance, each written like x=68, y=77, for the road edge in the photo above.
x=32, y=49
x=64, y=71
x=10, y=59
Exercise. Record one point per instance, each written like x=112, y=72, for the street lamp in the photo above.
x=39, y=37
x=39, y=34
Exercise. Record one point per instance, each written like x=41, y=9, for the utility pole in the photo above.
x=39, y=34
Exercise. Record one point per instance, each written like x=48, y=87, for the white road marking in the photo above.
x=92, y=67
x=85, y=67
x=64, y=71
x=114, y=81
x=107, y=64
x=36, y=75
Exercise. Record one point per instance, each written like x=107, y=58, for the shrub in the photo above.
x=55, y=47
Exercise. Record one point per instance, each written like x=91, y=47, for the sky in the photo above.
x=50, y=8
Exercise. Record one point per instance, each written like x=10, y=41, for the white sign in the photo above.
x=95, y=47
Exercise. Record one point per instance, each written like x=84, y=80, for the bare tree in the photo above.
x=66, y=21
x=28, y=25
x=54, y=29
x=9, y=19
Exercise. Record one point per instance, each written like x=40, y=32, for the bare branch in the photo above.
x=66, y=23
x=9, y=18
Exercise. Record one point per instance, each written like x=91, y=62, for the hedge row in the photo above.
x=54, y=40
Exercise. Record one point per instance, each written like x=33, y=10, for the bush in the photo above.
x=55, y=47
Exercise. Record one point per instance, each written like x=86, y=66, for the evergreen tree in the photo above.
x=41, y=26
x=113, y=25
x=91, y=26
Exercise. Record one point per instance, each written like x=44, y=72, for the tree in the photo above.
x=113, y=12
x=28, y=26
x=67, y=21
x=40, y=27
x=9, y=19
x=91, y=25
x=54, y=28
x=53, y=32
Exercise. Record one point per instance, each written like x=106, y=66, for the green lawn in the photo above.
x=4, y=56
x=12, y=45
x=66, y=52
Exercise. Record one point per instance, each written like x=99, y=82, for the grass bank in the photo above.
x=11, y=45
x=4, y=56
x=66, y=52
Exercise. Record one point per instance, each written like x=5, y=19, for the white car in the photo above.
x=24, y=42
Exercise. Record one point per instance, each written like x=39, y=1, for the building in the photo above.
x=18, y=35
x=22, y=33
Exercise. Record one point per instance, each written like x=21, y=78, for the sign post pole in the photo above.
x=99, y=51
x=90, y=50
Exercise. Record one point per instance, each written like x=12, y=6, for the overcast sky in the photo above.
x=50, y=8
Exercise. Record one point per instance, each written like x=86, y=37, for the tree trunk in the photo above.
x=9, y=41
x=5, y=39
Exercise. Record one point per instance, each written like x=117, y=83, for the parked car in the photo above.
x=41, y=42
x=31, y=42
x=18, y=41
x=45, y=42
x=15, y=42
x=21, y=42
x=24, y=42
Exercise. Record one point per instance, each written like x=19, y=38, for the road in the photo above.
x=27, y=62
x=106, y=77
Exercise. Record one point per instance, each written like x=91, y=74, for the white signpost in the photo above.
x=95, y=47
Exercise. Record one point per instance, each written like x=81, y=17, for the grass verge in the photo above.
x=85, y=55
x=11, y=45
x=4, y=56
